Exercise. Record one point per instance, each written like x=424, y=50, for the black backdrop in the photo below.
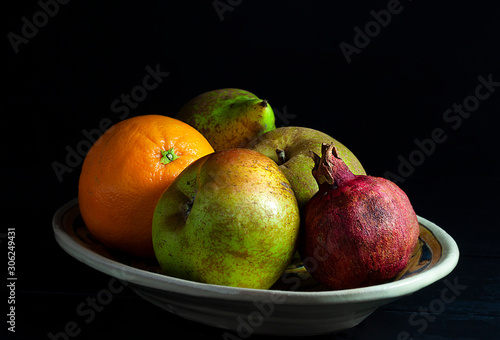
x=411, y=87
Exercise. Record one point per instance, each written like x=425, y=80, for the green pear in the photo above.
x=230, y=218
x=290, y=147
x=228, y=118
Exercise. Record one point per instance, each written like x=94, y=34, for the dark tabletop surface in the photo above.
x=382, y=77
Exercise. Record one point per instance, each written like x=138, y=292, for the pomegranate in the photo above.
x=359, y=230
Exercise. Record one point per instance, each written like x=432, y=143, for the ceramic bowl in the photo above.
x=295, y=305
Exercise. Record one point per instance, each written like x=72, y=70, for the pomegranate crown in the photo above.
x=330, y=168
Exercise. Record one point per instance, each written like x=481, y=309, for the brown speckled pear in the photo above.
x=290, y=148
x=230, y=219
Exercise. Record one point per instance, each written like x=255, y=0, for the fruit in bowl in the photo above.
x=290, y=148
x=228, y=118
x=359, y=230
x=124, y=174
x=230, y=218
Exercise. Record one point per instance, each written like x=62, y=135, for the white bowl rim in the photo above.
x=391, y=290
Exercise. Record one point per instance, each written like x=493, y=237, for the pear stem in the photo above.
x=281, y=156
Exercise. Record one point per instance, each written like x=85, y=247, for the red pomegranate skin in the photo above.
x=359, y=230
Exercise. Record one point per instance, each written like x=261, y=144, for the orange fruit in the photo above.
x=126, y=171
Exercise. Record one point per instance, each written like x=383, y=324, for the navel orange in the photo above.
x=126, y=171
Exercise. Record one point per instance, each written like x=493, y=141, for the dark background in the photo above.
x=395, y=90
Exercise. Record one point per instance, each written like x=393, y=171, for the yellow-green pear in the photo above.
x=228, y=118
x=230, y=218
